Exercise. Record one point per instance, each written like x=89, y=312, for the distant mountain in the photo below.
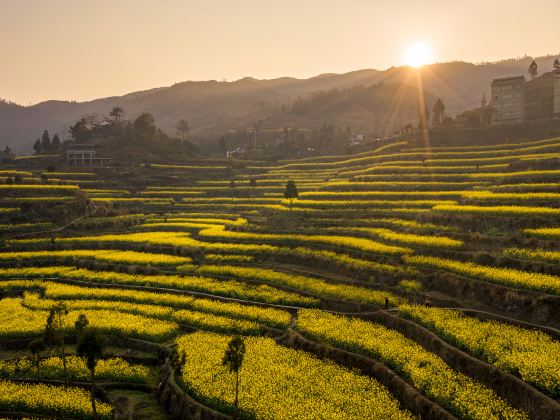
x=212, y=107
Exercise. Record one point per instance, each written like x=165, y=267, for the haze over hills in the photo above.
x=212, y=107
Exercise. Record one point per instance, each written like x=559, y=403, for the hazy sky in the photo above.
x=80, y=50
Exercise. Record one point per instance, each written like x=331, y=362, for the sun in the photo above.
x=417, y=55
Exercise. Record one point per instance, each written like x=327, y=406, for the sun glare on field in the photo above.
x=417, y=55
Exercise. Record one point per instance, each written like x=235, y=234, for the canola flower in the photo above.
x=18, y=321
x=231, y=288
x=346, y=260
x=499, y=210
x=513, y=196
x=305, y=284
x=534, y=254
x=112, y=369
x=543, y=283
x=547, y=233
x=530, y=354
x=278, y=383
x=48, y=400
x=195, y=319
x=364, y=204
x=361, y=244
x=174, y=239
x=228, y=258
x=413, y=239
x=269, y=316
x=462, y=395
x=112, y=256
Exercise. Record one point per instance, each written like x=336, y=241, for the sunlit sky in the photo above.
x=78, y=50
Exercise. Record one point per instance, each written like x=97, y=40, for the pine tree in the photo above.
x=291, y=192
x=37, y=147
x=55, y=144
x=46, y=142
x=233, y=359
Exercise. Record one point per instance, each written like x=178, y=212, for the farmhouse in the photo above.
x=85, y=155
x=515, y=100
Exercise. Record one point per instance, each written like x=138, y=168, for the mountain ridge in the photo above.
x=214, y=106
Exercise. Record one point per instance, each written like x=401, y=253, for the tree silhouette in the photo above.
x=37, y=146
x=46, y=142
x=533, y=69
x=36, y=346
x=116, y=113
x=291, y=192
x=233, y=359
x=183, y=128
x=54, y=332
x=145, y=124
x=90, y=347
x=55, y=144
x=556, y=64
x=81, y=324
x=438, y=111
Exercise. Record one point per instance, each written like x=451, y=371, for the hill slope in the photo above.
x=212, y=106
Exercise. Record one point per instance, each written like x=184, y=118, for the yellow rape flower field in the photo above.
x=279, y=383
x=532, y=355
x=426, y=371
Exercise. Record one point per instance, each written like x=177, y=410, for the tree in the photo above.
x=291, y=192
x=79, y=131
x=81, y=324
x=116, y=113
x=183, y=128
x=46, y=142
x=37, y=147
x=233, y=359
x=90, y=347
x=438, y=111
x=533, y=70
x=36, y=346
x=54, y=331
x=556, y=64
x=145, y=124
x=55, y=144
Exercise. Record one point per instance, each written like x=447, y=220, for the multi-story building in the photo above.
x=515, y=100
x=85, y=155
x=542, y=97
x=508, y=100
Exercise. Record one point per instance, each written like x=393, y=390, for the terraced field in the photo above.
x=402, y=282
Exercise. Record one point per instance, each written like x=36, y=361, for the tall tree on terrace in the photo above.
x=37, y=146
x=54, y=332
x=46, y=142
x=291, y=192
x=233, y=359
x=145, y=125
x=117, y=112
x=438, y=111
x=55, y=144
x=90, y=347
x=183, y=128
x=556, y=64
